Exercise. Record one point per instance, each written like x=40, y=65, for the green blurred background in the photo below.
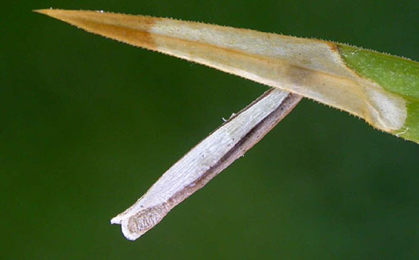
x=88, y=124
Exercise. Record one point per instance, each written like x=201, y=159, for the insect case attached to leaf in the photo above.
x=379, y=88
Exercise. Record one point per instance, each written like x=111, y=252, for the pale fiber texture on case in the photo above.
x=205, y=161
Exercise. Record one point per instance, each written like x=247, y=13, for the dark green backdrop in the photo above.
x=88, y=124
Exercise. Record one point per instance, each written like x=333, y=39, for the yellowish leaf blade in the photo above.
x=311, y=68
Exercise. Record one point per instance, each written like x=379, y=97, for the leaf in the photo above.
x=381, y=89
x=396, y=75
